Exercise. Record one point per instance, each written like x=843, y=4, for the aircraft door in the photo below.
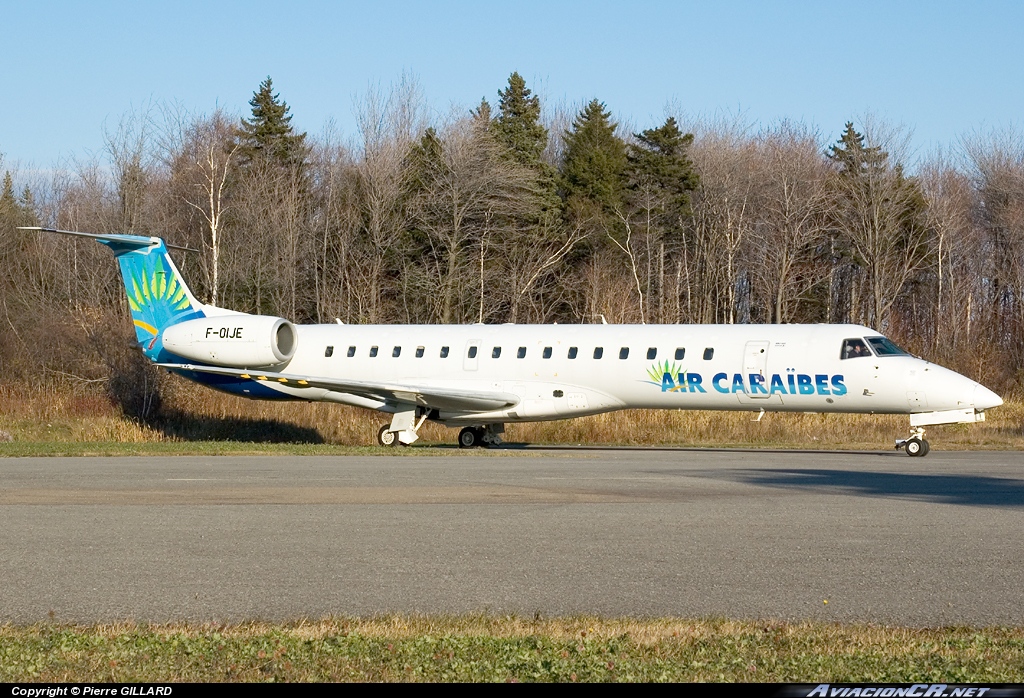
x=471, y=357
x=755, y=363
x=755, y=375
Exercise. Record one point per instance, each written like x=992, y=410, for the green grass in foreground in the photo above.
x=485, y=648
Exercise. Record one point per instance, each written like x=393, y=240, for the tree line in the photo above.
x=505, y=214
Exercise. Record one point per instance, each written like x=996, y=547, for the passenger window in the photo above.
x=598, y=352
x=472, y=352
x=547, y=353
x=396, y=352
x=854, y=349
x=495, y=352
x=680, y=353
x=351, y=352
x=624, y=353
x=709, y=353
x=572, y=352
x=652, y=353
x=444, y=352
x=373, y=351
x=521, y=354
x=419, y=352
x=329, y=351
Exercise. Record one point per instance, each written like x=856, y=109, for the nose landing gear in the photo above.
x=916, y=445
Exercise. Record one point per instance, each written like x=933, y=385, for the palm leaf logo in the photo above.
x=155, y=295
x=669, y=375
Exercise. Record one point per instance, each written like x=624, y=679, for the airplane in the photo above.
x=481, y=377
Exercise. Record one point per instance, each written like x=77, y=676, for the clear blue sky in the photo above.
x=941, y=68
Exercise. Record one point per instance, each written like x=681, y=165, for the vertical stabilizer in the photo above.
x=157, y=295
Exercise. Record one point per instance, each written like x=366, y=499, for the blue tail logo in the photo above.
x=157, y=295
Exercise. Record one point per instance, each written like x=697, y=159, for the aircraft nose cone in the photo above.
x=985, y=398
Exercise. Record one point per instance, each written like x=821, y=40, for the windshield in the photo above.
x=885, y=347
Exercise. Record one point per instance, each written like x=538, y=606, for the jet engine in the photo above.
x=235, y=341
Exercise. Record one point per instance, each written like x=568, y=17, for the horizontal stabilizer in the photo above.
x=448, y=399
x=123, y=241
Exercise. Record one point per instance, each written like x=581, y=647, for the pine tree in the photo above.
x=12, y=211
x=268, y=135
x=425, y=159
x=8, y=202
x=594, y=167
x=880, y=215
x=518, y=130
x=659, y=161
x=28, y=201
x=864, y=170
x=482, y=113
x=518, y=125
x=853, y=157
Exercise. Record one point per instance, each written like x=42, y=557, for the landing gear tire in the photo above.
x=470, y=437
x=386, y=437
x=916, y=447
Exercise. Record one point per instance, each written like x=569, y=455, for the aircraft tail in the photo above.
x=157, y=294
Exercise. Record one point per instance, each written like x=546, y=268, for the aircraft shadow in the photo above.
x=676, y=449
x=189, y=427
x=966, y=490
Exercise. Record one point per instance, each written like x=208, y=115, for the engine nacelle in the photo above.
x=235, y=341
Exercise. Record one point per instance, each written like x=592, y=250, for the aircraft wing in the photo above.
x=438, y=398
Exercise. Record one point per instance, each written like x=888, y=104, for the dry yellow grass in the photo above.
x=192, y=413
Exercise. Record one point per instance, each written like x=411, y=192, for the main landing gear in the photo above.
x=489, y=435
x=914, y=446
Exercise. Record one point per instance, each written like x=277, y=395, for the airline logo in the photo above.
x=673, y=378
x=155, y=295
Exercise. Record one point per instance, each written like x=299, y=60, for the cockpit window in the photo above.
x=885, y=347
x=854, y=349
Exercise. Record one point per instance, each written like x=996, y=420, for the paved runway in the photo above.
x=638, y=532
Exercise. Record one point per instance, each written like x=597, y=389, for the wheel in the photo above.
x=469, y=437
x=916, y=447
x=926, y=448
x=386, y=437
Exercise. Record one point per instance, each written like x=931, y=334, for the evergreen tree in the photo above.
x=28, y=201
x=482, y=113
x=8, y=202
x=518, y=130
x=518, y=125
x=659, y=161
x=12, y=211
x=522, y=138
x=595, y=161
x=879, y=214
x=425, y=159
x=867, y=175
x=268, y=135
x=853, y=157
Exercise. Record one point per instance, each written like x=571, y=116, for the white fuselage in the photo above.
x=553, y=372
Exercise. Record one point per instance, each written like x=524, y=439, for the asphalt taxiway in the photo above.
x=845, y=536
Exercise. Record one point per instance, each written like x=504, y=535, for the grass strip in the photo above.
x=483, y=648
